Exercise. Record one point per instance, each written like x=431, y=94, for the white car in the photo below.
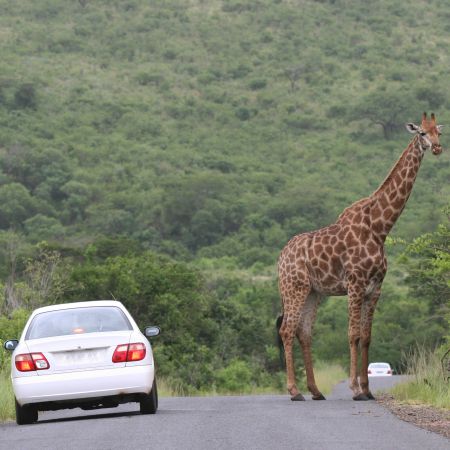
x=379, y=369
x=87, y=354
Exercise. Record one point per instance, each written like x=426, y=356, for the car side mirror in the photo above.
x=152, y=331
x=11, y=345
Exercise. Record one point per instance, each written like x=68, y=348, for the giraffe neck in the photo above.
x=391, y=197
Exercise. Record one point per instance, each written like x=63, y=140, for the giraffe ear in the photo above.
x=412, y=128
x=439, y=127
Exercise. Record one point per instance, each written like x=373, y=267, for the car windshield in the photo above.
x=94, y=319
x=380, y=366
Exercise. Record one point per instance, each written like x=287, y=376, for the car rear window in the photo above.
x=95, y=319
x=380, y=366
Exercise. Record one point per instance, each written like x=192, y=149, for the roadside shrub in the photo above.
x=25, y=97
x=254, y=85
x=10, y=328
x=235, y=377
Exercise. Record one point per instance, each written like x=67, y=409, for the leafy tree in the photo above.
x=46, y=277
x=389, y=108
x=428, y=263
x=25, y=96
x=41, y=227
x=106, y=247
x=78, y=199
x=109, y=220
x=36, y=168
x=16, y=205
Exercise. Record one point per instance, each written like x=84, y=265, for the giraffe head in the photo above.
x=428, y=133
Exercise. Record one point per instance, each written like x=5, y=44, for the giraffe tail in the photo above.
x=280, y=341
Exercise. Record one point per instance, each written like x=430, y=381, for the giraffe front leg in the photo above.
x=368, y=310
x=354, y=337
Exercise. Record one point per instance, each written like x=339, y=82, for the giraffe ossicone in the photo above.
x=347, y=258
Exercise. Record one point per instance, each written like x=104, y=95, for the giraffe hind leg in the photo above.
x=292, y=312
x=287, y=335
x=304, y=334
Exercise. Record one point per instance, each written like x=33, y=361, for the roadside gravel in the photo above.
x=427, y=417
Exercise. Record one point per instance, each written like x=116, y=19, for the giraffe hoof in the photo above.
x=318, y=397
x=370, y=396
x=298, y=398
x=360, y=397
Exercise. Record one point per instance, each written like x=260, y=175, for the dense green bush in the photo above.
x=25, y=96
x=10, y=328
x=236, y=377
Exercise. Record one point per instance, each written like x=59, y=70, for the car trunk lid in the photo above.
x=80, y=352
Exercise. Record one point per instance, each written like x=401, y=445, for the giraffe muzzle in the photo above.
x=436, y=149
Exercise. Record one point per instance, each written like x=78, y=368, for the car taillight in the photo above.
x=26, y=362
x=120, y=354
x=129, y=352
x=369, y=372
x=136, y=352
x=389, y=372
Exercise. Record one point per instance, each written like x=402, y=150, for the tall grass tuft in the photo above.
x=169, y=388
x=7, y=409
x=327, y=375
x=428, y=384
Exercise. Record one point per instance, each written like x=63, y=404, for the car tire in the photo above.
x=149, y=402
x=26, y=414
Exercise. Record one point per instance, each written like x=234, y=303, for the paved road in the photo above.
x=247, y=422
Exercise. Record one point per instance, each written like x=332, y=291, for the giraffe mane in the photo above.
x=350, y=209
x=399, y=162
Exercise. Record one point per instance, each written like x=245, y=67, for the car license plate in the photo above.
x=80, y=356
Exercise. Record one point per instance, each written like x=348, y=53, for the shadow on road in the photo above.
x=108, y=415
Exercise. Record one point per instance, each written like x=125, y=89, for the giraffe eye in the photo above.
x=422, y=133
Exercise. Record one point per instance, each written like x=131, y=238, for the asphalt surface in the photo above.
x=240, y=422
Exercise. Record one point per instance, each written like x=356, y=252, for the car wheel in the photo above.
x=26, y=414
x=149, y=402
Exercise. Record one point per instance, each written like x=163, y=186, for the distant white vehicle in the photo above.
x=87, y=354
x=379, y=369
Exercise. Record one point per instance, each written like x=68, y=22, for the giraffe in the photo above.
x=347, y=258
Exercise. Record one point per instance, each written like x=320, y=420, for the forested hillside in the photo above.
x=190, y=139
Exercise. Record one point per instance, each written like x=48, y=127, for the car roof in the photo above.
x=83, y=304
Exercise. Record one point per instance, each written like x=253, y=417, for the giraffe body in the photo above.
x=347, y=258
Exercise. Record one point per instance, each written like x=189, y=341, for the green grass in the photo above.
x=327, y=375
x=428, y=384
x=167, y=388
x=7, y=411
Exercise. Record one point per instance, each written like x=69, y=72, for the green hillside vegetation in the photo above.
x=162, y=153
